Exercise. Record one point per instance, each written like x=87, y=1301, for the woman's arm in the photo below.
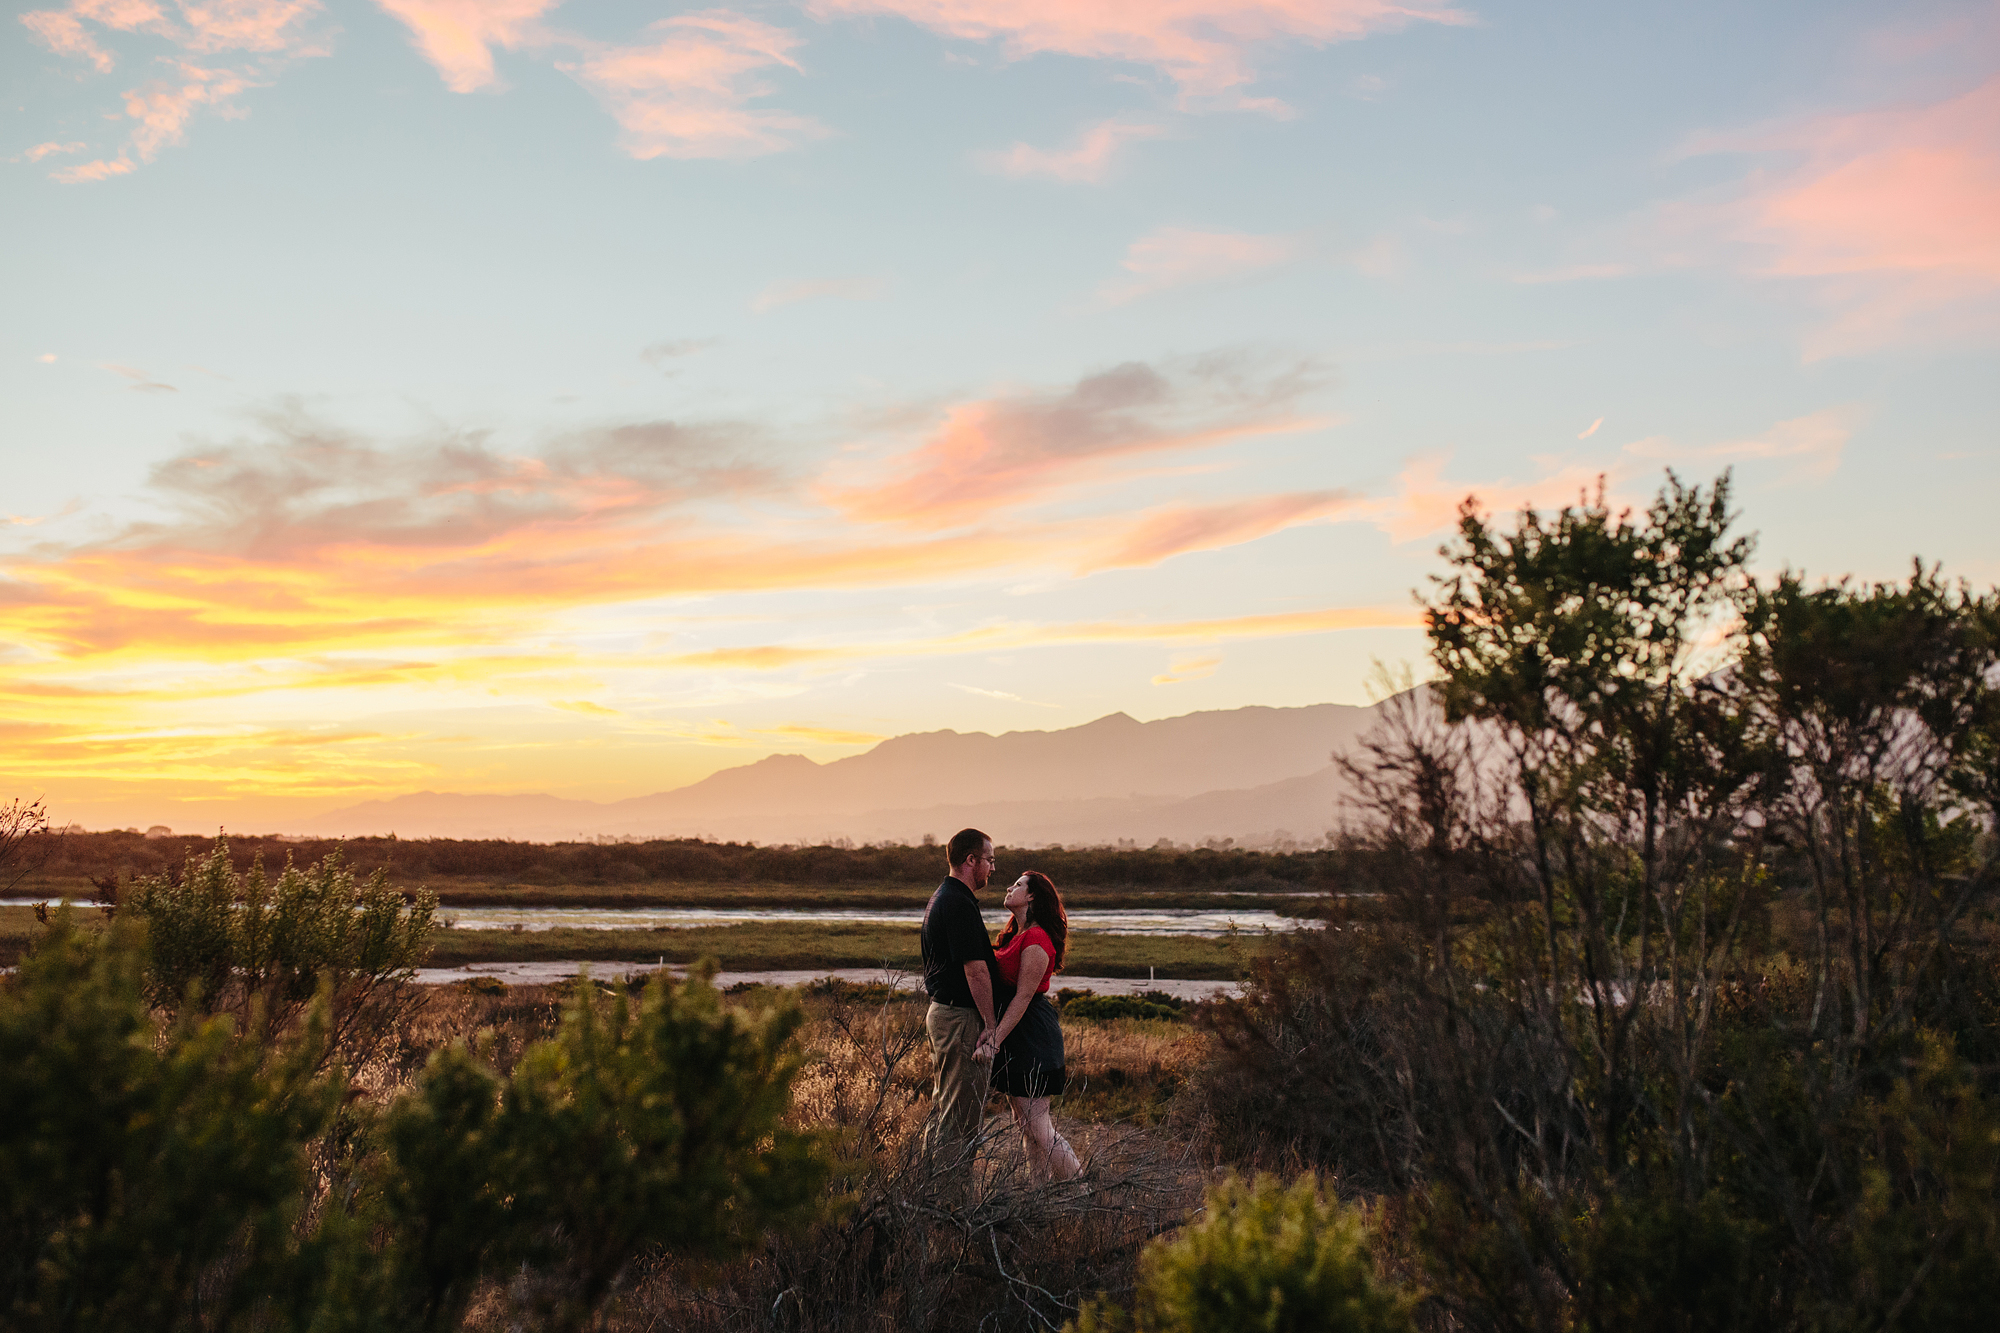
x=1034, y=965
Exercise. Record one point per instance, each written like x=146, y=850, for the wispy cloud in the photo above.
x=141, y=381
x=1179, y=530
x=1011, y=449
x=1180, y=256
x=823, y=735
x=1811, y=446
x=1891, y=215
x=261, y=35
x=1087, y=159
x=999, y=637
x=779, y=294
x=661, y=355
x=1001, y=695
x=42, y=150
x=1209, y=48
x=685, y=93
x=1424, y=503
x=458, y=37
x=1185, y=668
x=1590, y=430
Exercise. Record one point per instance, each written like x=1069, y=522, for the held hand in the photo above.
x=988, y=1045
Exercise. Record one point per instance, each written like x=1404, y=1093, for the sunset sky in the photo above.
x=516, y=395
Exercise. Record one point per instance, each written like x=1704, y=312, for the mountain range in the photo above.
x=1257, y=776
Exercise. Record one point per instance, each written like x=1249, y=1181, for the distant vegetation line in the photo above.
x=80, y=857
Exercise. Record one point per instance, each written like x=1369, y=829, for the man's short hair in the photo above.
x=964, y=844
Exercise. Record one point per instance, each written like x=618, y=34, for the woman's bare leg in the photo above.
x=1049, y=1154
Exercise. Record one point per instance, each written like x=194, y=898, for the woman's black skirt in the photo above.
x=1030, y=1061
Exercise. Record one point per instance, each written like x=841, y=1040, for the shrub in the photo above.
x=207, y=925
x=142, y=1174
x=211, y=1175
x=1263, y=1258
x=1104, y=1008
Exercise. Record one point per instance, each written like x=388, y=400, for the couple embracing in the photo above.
x=990, y=1020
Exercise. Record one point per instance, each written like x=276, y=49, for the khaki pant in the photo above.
x=959, y=1094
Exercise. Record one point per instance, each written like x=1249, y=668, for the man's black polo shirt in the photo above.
x=954, y=935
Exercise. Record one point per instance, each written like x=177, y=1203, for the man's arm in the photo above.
x=980, y=982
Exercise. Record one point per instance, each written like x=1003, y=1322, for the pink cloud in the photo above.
x=243, y=25
x=63, y=33
x=160, y=109
x=42, y=150
x=1179, y=256
x=1808, y=447
x=458, y=36
x=1181, y=529
x=1893, y=214
x=1208, y=47
x=994, y=453
x=1426, y=503
x=1812, y=445
x=684, y=93
x=101, y=169
x=1086, y=160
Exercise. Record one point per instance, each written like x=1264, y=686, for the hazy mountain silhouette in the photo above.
x=1257, y=775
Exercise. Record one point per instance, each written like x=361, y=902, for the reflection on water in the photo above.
x=1139, y=921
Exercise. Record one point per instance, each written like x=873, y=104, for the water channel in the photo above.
x=1210, y=924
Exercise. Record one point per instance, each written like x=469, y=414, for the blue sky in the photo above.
x=582, y=397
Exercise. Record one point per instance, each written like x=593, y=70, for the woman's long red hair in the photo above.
x=1045, y=909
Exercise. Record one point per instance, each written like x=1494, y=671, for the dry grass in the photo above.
x=948, y=1240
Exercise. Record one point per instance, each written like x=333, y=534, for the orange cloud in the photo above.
x=1893, y=213
x=824, y=735
x=999, y=637
x=1005, y=451
x=1188, y=668
x=1207, y=47
x=1179, y=257
x=1086, y=160
x=458, y=36
x=685, y=93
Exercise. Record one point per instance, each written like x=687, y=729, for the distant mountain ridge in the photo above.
x=1257, y=775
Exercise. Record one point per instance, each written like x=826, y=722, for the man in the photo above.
x=959, y=977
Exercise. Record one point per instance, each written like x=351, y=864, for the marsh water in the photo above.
x=1210, y=924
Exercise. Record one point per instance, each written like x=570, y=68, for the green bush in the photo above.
x=1263, y=1258
x=208, y=926
x=1104, y=1008
x=141, y=1173
x=210, y=1175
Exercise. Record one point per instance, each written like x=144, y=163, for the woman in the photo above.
x=1026, y=1047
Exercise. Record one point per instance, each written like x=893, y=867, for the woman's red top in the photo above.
x=1008, y=956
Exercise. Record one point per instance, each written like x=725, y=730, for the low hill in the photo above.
x=1259, y=776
